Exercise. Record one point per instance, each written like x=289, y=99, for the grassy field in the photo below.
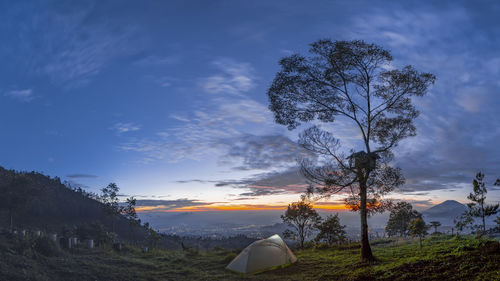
x=441, y=258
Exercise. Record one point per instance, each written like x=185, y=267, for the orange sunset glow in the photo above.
x=235, y=207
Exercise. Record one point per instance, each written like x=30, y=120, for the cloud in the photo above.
x=211, y=130
x=473, y=99
x=70, y=45
x=286, y=182
x=121, y=128
x=264, y=152
x=155, y=60
x=168, y=205
x=81, y=176
x=234, y=77
x=25, y=95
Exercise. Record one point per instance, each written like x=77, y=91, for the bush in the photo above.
x=228, y=258
x=47, y=247
x=321, y=246
x=308, y=245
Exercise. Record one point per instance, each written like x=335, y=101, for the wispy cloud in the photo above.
x=233, y=78
x=210, y=130
x=121, y=128
x=25, y=95
x=70, y=46
x=156, y=60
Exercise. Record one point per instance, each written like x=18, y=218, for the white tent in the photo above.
x=261, y=255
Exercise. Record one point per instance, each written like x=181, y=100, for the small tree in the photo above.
x=478, y=208
x=418, y=228
x=109, y=197
x=462, y=222
x=129, y=212
x=435, y=224
x=302, y=218
x=498, y=223
x=331, y=231
x=153, y=237
x=401, y=215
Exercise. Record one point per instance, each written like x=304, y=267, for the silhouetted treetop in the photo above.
x=352, y=79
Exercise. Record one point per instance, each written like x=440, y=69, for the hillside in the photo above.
x=441, y=258
x=53, y=207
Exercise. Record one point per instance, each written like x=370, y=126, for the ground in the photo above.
x=440, y=258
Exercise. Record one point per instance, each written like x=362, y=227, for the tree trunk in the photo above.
x=366, y=251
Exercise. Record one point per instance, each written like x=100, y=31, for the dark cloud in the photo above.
x=195, y=180
x=166, y=205
x=245, y=198
x=287, y=182
x=413, y=193
x=81, y=176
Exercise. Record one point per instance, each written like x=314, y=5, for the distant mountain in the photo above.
x=445, y=212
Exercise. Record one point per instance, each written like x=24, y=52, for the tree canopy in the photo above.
x=302, y=218
x=330, y=230
x=399, y=219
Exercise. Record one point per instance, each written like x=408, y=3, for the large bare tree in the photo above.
x=355, y=82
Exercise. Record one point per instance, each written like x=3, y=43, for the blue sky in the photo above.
x=168, y=98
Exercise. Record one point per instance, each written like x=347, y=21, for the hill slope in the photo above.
x=52, y=206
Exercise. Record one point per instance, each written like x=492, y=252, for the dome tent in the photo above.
x=262, y=255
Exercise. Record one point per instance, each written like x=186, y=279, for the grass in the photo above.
x=441, y=258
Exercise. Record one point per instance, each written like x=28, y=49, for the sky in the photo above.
x=168, y=98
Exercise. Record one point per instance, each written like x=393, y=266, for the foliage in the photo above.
x=331, y=231
x=17, y=191
x=435, y=224
x=47, y=247
x=153, y=237
x=302, y=218
x=418, y=228
x=399, y=219
x=129, y=210
x=349, y=80
x=462, y=222
x=110, y=199
x=478, y=208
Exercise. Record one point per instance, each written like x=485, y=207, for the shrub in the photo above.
x=47, y=247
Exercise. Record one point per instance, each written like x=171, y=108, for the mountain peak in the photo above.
x=447, y=209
